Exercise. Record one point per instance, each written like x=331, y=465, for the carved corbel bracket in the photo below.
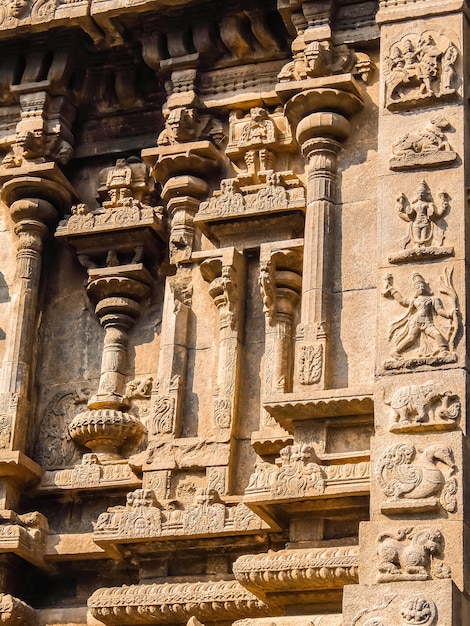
x=14, y=611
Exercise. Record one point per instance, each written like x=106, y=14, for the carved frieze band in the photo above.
x=317, y=568
x=170, y=603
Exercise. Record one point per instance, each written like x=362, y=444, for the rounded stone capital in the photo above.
x=322, y=125
x=322, y=100
x=32, y=211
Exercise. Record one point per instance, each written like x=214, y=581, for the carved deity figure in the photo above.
x=423, y=216
x=428, y=56
x=418, y=325
x=448, y=68
x=260, y=129
x=118, y=181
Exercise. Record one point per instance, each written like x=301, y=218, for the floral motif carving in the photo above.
x=421, y=405
x=424, y=148
x=420, y=69
x=310, y=363
x=411, y=554
x=426, y=229
x=296, y=474
x=416, y=482
x=54, y=446
x=418, y=330
x=418, y=611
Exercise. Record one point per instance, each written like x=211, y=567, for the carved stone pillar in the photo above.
x=319, y=133
x=33, y=204
x=280, y=283
x=114, y=243
x=106, y=426
x=421, y=383
x=225, y=274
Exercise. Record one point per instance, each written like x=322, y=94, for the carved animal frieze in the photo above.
x=177, y=602
x=423, y=406
x=420, y=70
x=419, y=337
x=417, y=481
x=426, y=226
x=411, y=554
x=143, y=516
x=315, y=568
x=424, y=148
x=295, y=474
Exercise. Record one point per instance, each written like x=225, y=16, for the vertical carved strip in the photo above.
x=167, y=402
x=226, y=277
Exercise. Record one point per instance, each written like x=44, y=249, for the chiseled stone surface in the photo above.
x=233, y=296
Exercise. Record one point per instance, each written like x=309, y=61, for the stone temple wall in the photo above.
x=233, y=277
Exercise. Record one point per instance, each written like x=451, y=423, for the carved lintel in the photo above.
x=160, y=604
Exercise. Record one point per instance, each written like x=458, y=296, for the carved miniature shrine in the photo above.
x=233, y=313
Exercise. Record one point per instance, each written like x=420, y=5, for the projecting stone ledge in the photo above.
x=175, y=603
x=278, y=577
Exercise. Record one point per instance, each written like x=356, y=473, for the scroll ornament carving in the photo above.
x=418, y=611
x=422, y=405
x=8, y=406
x=143, y=516
x=170, y=603
x=15, y=12
x=54, y=447
x=426, y=230
x=417, y=337
x=411, y=554
x=420, y=69
x=425, y=148
x=315, y=568
x=295, y=474
x=417, y=480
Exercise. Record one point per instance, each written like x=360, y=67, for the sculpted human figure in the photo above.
x=428, y=55
x=18, y=8
x=423, y=216
x=118, y=181
x=418, y=326
x=448, y=70
x=180, y=127
x=260, y=129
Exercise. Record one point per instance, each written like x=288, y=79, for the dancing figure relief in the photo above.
x=418, y=336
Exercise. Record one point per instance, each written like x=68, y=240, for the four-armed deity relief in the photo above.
x=426, y=226
x=420, y=69
x=425, y=148
x=428, y=333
